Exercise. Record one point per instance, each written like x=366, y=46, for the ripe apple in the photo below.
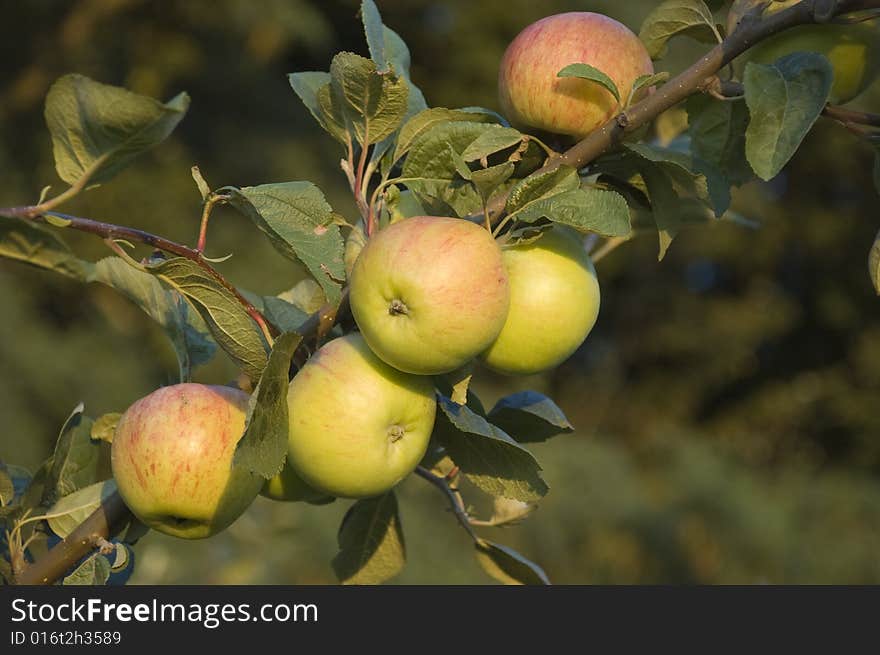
x=853, y=50
x=532, y=95
x=288, y=486
x=554, y=303
x=429, y=293
x=357, y=425
x=172, y=459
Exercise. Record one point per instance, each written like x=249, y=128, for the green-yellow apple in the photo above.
x=429, y=293
x=290, y=487
x=853, y=50
x=172, y=459
x=357, y=425
x=554, y=303
x=531, y=93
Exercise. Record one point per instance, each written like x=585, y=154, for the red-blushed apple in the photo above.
x=172, y=459
x=533, y=96
x=357, y=425
x=853, y=50
x=288, y=486
x=554, y=303
x=429, y=293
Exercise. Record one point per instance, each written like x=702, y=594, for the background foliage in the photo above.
x=725, y=404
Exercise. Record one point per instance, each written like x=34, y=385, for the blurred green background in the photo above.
x=727, y=404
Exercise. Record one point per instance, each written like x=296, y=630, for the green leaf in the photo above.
x=98, y=129
x=370, y=104
x=284, y=315
x=185, y=329
x=66, y=514
x=423, y=121
x=432, y=168
x=306, y=295
x=300, y=225
x=592, y=74
x=76, y=461
x=308, y=86
x=263, y=447
x=677, y=17
x=542, y=186
x=27, y=242
x=665, y=204
x=646, y=82
x=692, y=174
x=493, y=140
x=487, y=455
x=93, y=571
x=874, y=264
x=371, y=545
x=784, y=99
x=7, y=488
x=529, y=417
x=587, y=210
x=230, y=324
x=508, y=566
x=104, y=427
x=718, y=135
x=375, y=34
x=489, y=180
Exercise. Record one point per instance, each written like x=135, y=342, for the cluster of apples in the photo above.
x=429, y=295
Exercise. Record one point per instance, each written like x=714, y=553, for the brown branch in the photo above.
x=101, y=524
x=111, y=231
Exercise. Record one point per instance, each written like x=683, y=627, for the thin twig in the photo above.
x=454, y=499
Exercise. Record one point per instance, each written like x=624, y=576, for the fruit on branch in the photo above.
x=429, y=293
x=172, y=459
x=290, y=487
x=357, y=425
x=554, y=303
x=853, y=50
x=531, y=93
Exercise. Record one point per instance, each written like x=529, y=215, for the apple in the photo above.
x=357, y=425
x=429, y=293
x=531, y=93
x=853, y=50
x=554, y=303
x=172, y=459
x=289, y=487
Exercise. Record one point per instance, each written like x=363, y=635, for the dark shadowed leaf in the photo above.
x=718, y=135
x=7, y=488
x=529, y=417
x=98, y=129
x=665, y=204
x=508, y=566
x=784, y=99
x=263, y=447
x=27, y=242
x=371, y=546
x=489, y=457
